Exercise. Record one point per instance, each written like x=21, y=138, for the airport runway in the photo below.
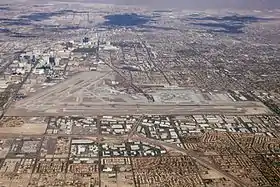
x=57, y=93
x=84, y=94
x=233, y=108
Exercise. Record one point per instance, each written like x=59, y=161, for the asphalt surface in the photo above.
x=53, y=109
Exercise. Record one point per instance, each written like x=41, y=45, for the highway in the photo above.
x=194, y=156
x=137, y=137
x=18, y=87
x=134, y=128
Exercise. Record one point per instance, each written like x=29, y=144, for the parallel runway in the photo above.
x=235, y=108
x=85, y=94
x=69, y=87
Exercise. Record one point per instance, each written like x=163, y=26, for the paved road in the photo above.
x=134, y=127
x=138, y=137
x=194, y=156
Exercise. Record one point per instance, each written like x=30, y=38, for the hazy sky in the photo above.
x=186, y=4
x=251, y=4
